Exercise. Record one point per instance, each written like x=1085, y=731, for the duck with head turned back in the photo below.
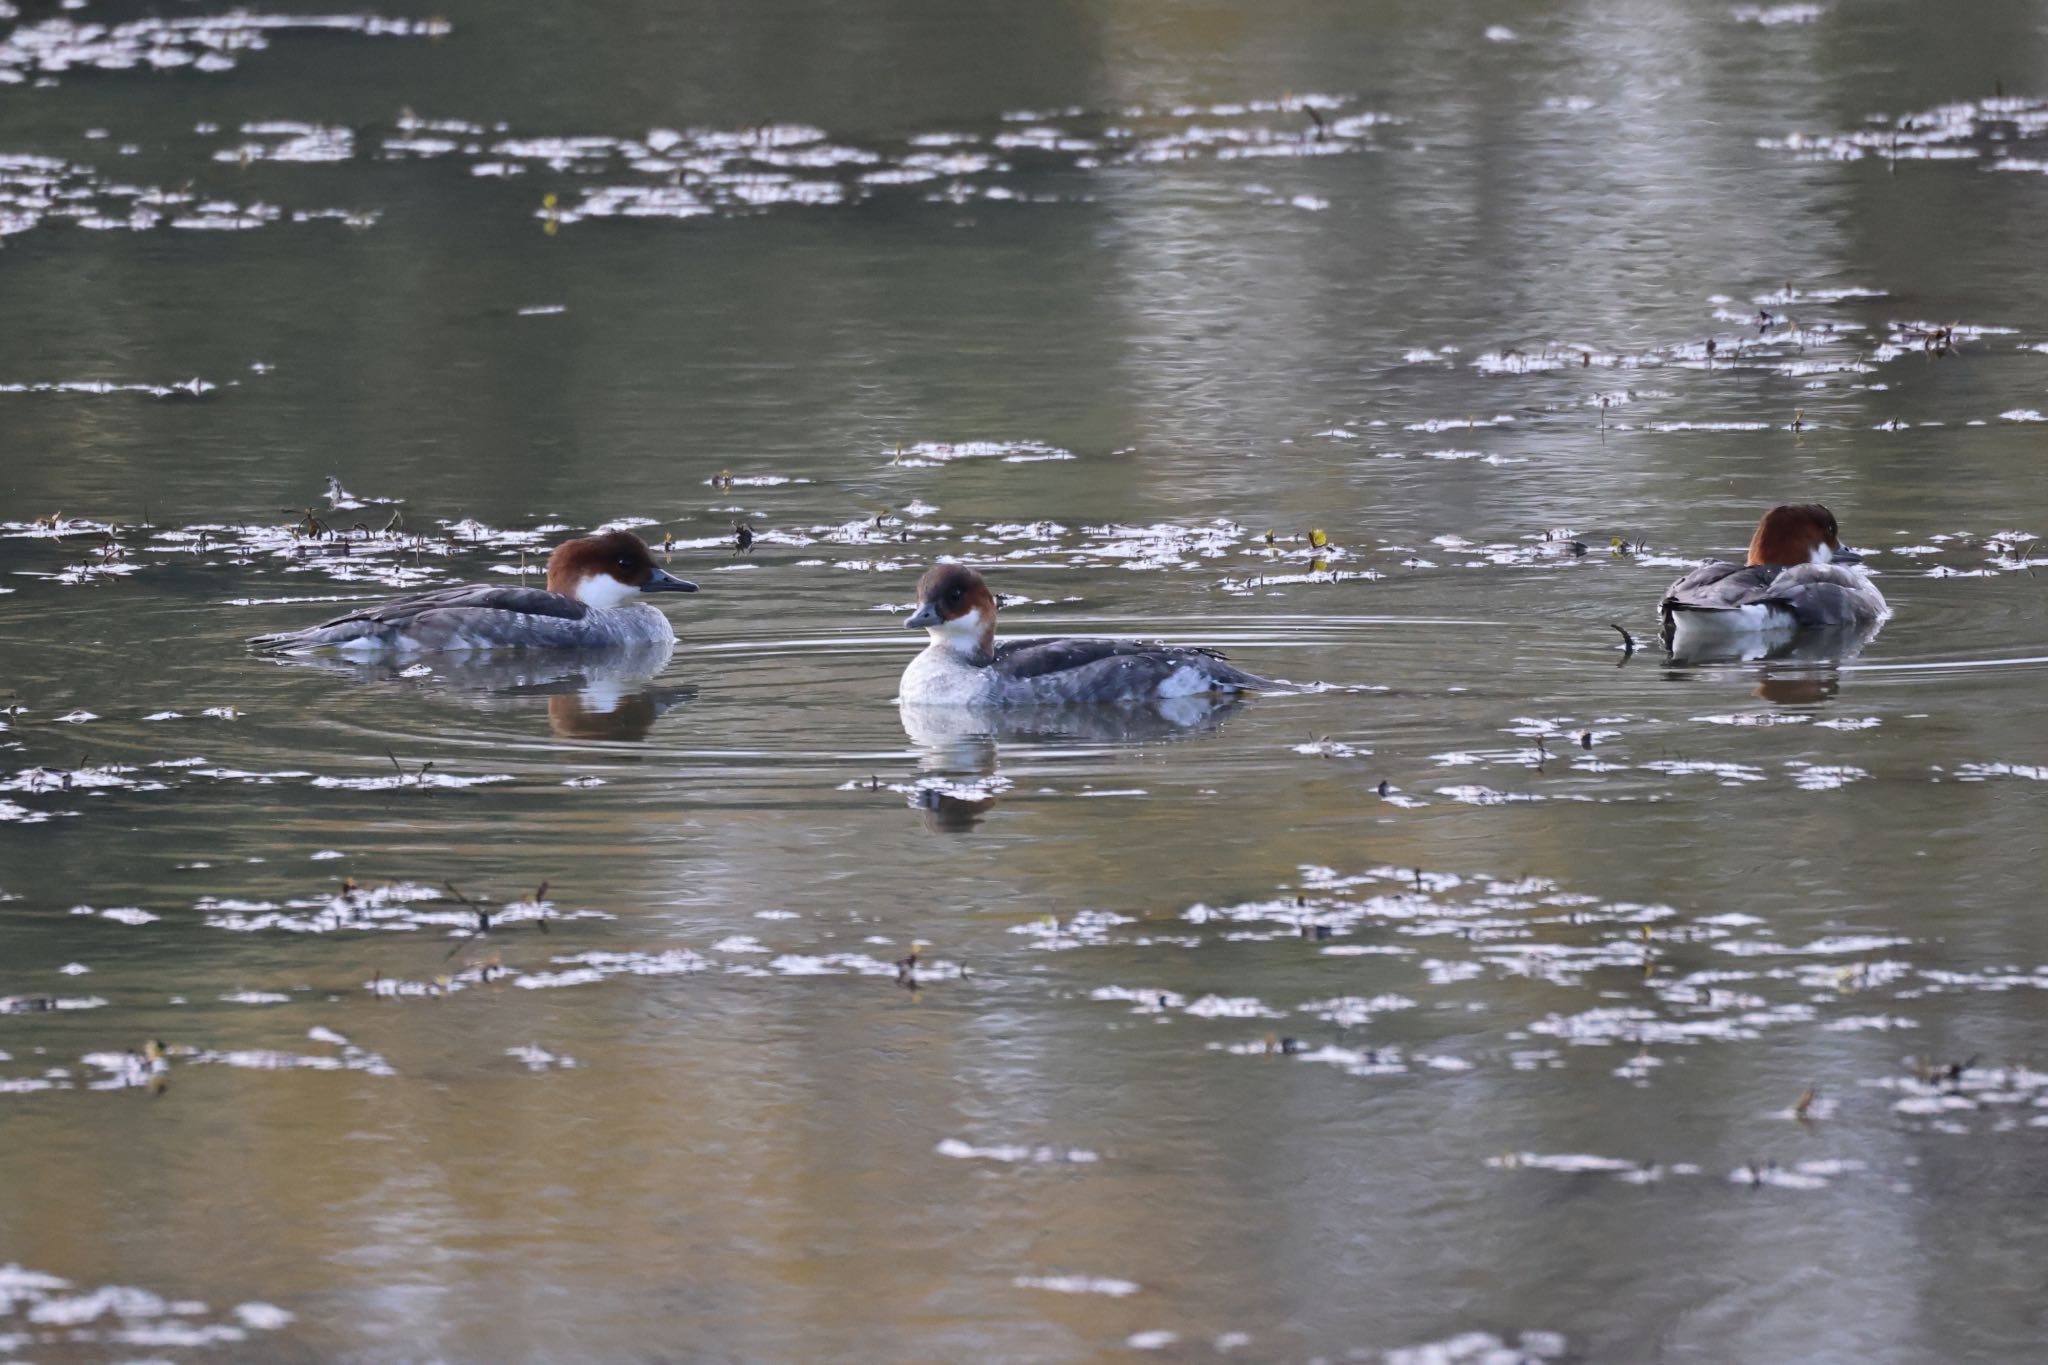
x=592, y=601
x=964, y=666
x=1798, y=576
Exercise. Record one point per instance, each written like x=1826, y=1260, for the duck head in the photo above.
x=1799, y=533
x=605, y=570
x=955, y=607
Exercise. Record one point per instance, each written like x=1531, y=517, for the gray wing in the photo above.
x=1109, y=670
x=410, y=614
x=1722, y=586
x=1033, y=658
x=1821, y=595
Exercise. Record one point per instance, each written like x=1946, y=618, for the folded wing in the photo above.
x=477, y=612
x=1110, y=670
x=1722, y=586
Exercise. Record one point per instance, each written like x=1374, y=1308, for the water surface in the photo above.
x=1509, y=993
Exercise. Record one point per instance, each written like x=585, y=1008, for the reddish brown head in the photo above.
x=1799, y=533
x=955, y=605
x=605, y=570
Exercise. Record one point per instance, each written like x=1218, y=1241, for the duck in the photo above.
x=964, y=666
x=1798, y=576
x=591, y=602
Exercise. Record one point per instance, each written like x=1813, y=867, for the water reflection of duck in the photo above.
x=1801, y=689
x=595, y=714
x=1822, y=645
x=962, y=744
x=946, y=812
x=943, y=727
x=589, y=696
x=1821, y=651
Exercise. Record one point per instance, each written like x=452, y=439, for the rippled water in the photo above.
x=1509, y=996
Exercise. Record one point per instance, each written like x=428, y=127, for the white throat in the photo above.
x=1822, y=554
x=961, y=635
x=601, y=590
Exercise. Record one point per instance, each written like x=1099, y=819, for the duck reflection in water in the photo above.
x=959, y=781
x=1814, y=657
x=608, y=696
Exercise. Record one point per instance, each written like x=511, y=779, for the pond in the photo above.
x=1511, y=993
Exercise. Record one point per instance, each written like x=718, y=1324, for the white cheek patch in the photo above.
x=1822, y=554
x=962, y=633
x=601, y=590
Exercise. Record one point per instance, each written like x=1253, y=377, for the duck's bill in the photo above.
x=924, y=618
x=664, y=581
x=1845, y=555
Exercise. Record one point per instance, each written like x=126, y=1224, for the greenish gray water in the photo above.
x=1217, y=1047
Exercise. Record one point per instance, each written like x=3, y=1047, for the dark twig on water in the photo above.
x=483, y=919
x=419, y=778
x=1628, y=641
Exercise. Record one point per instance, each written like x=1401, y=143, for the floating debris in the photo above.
x=53, y=1311
x=1078, y=1284
x=121, y=914
x=679, y=174
x=202, y=43
x=961, y=1150
x=36, y=191
x=1481, y=1348
x=1996, y=133
x=925, y=454
x=1770, y=16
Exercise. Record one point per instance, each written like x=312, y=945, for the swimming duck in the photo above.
x=964, y=666
x=591, y=602
x=1798, y=576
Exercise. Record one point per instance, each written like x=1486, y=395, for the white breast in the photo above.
x=938, y=676
x=636, y=626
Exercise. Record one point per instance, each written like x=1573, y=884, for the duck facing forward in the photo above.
x=590, y=602
x=1798, y=576
x=964, y=666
